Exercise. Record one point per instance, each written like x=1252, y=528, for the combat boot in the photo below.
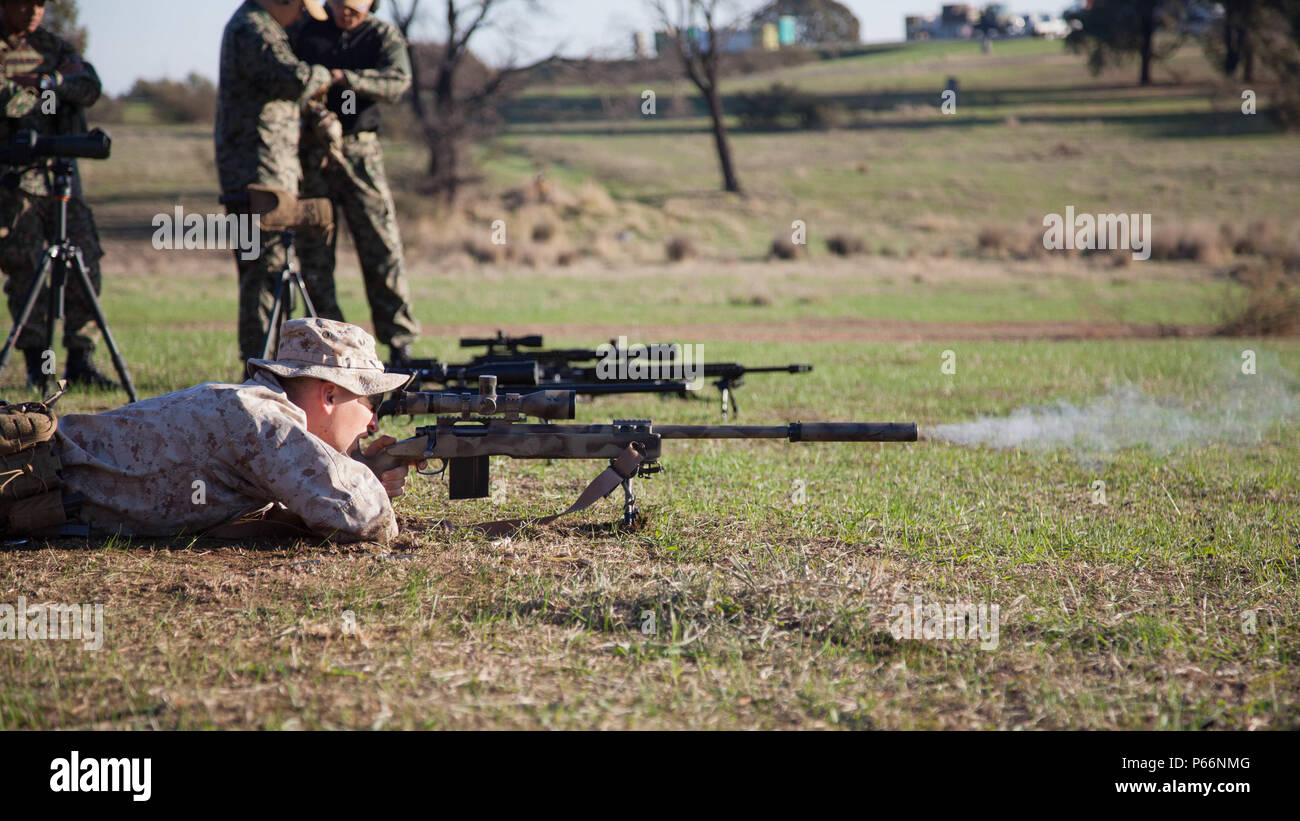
x=81, y=370
x=35, y=376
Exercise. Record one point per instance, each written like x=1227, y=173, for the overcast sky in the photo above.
x=171, y=38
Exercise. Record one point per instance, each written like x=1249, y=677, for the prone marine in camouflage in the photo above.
x=46, y=86
x=262, y=90
x=369, y=65
x=215, y=454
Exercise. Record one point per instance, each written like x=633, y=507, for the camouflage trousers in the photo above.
x=258, y=279
x=28, y=225
x=361, y=195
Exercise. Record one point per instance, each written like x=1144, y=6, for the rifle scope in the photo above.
x=502, y=341
x=538, y=404
x=28, y=146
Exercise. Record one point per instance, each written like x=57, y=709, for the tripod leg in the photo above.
x=102, y=322
x=59, y=262
x=286, y=286
x=29, y=304
x=277, y=310
x=293, y=270
x=306, y=299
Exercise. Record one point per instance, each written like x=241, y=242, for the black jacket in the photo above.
x=374, y=61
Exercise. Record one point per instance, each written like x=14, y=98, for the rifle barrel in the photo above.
x=797, y=431
x=546, y=441
x=735, y=369
x=602, y=388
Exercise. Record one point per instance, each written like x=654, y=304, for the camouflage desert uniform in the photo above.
x=360, y=191
x=259, y=100
x=137, y=466
x=29, y=216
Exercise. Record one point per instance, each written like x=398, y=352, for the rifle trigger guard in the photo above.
x=437, y=472
x=428, y=456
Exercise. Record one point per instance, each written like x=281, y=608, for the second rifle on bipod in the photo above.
x=520, y=362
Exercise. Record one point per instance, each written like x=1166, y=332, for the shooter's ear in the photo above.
x=329, y=394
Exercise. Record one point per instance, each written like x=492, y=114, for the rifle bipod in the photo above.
x=631, y=512
x=728, y=389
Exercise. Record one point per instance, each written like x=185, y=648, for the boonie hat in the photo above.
x=334, y=351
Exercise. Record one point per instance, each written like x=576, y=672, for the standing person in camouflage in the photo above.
x=369, y=65
x=45, y=86
x=262, y=90
x=269, y=457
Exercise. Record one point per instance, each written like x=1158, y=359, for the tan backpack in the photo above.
x=32, y=501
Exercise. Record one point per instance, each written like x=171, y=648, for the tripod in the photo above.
x=58, y=258
x=282, y=308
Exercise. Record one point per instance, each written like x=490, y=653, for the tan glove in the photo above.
x=281, y=211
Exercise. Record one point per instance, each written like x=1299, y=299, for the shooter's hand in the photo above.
x=394, y=481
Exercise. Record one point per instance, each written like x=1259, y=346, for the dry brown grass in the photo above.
x=1021, y=242
x=994, y=239
x=1199, y=241
x=680, y=248
x=846, y=245
x=785, y=248
x=485, y=252
x=544, y=224
x=1271, y=305
x=1256, y=238
x=543, y=232
x=1110, y=258
x=1266, y=239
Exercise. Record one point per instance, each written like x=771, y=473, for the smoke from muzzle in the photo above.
x=1126, y=418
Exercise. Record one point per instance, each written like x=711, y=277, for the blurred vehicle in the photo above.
x=997, y=21
x=1046, y=26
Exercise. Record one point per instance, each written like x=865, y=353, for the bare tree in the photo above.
x=464, y=92
x=63, y=18
x=686, y=23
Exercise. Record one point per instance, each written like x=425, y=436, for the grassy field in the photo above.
x=759, y=592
